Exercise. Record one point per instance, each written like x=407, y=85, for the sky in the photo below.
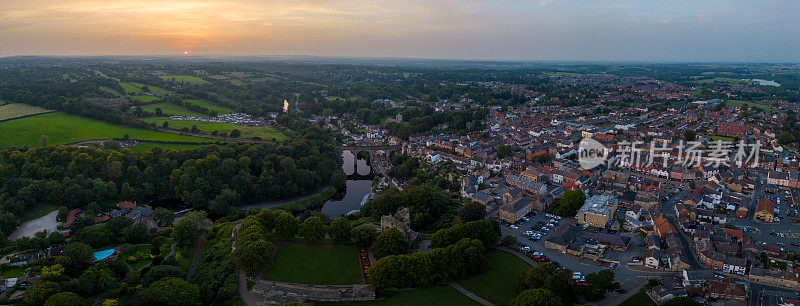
x=560, y=30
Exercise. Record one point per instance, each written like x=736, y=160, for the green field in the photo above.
x=496, y=285
x=219, y=110
x=237, y=82
x=2, y=102
x=741, y=103
x=315, y=264
x=145, y=98
x=442, y=295
x=639, y=299
x=170, y=109
x=147, y=146
x=695, y=92
x=720, y=80
x=16, y=110
x=62, y=128
x=719, y=137
x=111, y=91
x=130, y=88
x=188, y=79
x=265, y=132
x=153, y=89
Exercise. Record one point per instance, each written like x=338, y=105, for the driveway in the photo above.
x=28, y=229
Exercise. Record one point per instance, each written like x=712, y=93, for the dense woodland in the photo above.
x=216, y=177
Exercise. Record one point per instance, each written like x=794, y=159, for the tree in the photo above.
x=312, y=229
x=66, y=299
x=162, y=271
x=39, y=292
x=96, y=279
x=339, y=180
x=509, y=240
x=163, y=215
x=391, y=241
x=94, y=235
x=363, y=235
x=536, y=297
x=471, y=211
x=235, y=133
x=570, y=203
x=53, y=273
x=482, y=230
x=75, y=257
x=187, y=230
x=165, y=124
x=339, y=230
x=249, y=256
x=286, y=225
x=603, y=279
x=138, y=233
x=171, y=291
x=546, y=276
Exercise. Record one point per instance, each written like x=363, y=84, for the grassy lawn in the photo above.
x=145, y=98
x=741, y=103
x=169, y=108
x=220, y=110
x=496, y=285
x=639, y=299
x=442, y=295
x=38, y=210
x=718, y=137
x=147, y=146
x=109, y=90
x=695, y=92
x=62, y=128
x=188, y=79
x=265, y=132
x=16, y=110
x=153, y=89
x=315, y=264
x=130, y=88
x=13, y=272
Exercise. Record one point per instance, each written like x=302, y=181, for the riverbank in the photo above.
x=283, y=202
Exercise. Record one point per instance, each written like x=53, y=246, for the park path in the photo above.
x=196, y=257
x=247, y=297
x=470, y=295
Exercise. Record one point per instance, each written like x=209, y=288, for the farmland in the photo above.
x=266, y=132
x=62, y=128
x=170, y=109
x=130, y=88
x=16, y=110
x=145, y=98
x=153, y=89
x=209, y=106
x=188, y=79
x=111, y=91
x=720, y=80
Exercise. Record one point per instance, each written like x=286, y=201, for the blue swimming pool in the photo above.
x=100, y=255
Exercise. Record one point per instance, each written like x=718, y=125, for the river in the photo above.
x=351, y=198
x=343, y=201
